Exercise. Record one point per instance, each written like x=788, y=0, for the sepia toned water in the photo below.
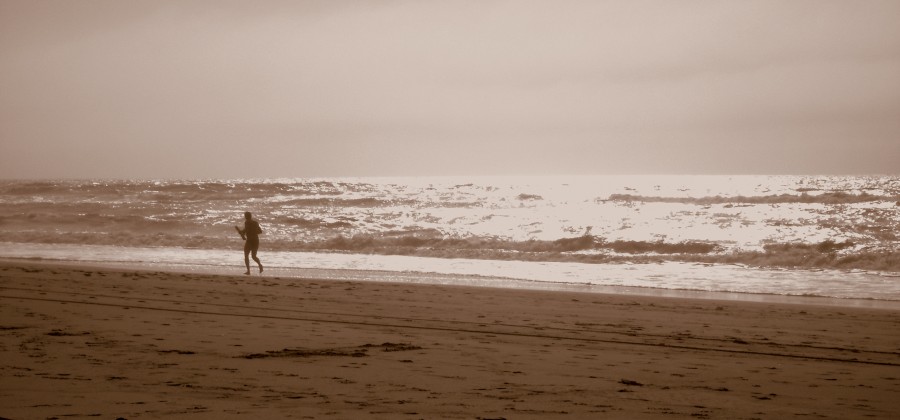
x=779, y=235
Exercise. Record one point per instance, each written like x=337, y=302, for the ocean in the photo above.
x=814, y=236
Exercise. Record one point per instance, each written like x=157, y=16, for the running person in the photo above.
x=250, y=234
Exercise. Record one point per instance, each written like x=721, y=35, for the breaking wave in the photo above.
x=584, y=249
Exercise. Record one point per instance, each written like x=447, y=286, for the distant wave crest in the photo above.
x=825, y=198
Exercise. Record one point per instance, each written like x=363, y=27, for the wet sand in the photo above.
x=117, y=343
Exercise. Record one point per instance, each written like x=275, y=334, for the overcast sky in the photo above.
x=207, y=89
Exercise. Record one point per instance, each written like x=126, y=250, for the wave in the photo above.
x=207, y=189
x=588, y=249
x=825, y=198
x=316, y=223
x=94, y=216
x=281, y=194
x=361, y=202
x=584, y=249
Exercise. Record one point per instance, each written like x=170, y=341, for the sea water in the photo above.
x=779, y=235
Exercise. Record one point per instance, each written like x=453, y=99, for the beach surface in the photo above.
x=81, y=341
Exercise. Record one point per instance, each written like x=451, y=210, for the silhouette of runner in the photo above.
x=250, y=235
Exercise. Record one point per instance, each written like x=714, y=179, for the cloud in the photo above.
x=399, y=78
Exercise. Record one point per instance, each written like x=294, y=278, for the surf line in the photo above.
x=463, y=330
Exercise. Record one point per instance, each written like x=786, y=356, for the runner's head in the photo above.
x=247, y=215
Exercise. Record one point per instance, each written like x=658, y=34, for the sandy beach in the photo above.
x=113, y=343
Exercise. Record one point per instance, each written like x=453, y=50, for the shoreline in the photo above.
x=477, y=281
x=90, y=341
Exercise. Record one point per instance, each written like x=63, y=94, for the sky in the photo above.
x=268, y=88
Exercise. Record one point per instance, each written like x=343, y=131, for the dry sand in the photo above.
x=103, y=343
